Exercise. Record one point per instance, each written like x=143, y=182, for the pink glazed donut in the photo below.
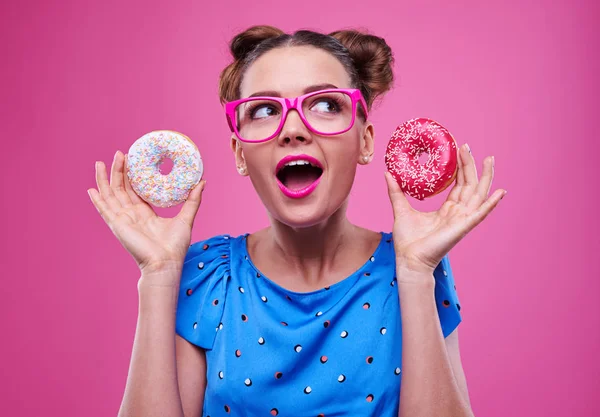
x=146, y=155
x=407, y=143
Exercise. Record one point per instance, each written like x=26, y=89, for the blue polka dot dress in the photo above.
x=335, y=351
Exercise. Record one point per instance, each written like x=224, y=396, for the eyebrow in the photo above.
x=310, y=89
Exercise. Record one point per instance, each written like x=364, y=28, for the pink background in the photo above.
x=516, y=79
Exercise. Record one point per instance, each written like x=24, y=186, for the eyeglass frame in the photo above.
x=288, y=104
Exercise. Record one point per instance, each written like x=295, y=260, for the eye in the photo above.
x=325, y=106
x=262, y=111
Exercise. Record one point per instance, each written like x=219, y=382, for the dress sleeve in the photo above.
x=446, y=298
x=204, y=278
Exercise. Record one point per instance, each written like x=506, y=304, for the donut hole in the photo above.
x=165, y=166
x=423, y=158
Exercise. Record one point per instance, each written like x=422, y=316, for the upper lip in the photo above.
x=289, y=158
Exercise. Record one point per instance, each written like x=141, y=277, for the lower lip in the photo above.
x=303, y=192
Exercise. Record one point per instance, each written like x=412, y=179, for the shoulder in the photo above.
x=216, y=248
x=210, y=247
x=203, y=285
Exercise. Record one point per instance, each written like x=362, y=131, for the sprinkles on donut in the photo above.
x=144, y=158
x=408, y=142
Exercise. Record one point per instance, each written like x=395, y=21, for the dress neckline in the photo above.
x=349, y=280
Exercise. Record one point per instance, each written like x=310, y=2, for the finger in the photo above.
x=460, y=180
x=470, y=167
x=104, y=188
x=487, y=206
x=398, y=199
x=483, y=188
x=103, y=208
x=117, y=180
x=460, y=175
x=470, y=176
x=191, y=205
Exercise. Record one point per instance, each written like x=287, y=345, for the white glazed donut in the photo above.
x=146, y=155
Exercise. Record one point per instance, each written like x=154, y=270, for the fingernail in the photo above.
x=96, y=165
x=505, y=192
x=493, y=161
x=468, y=148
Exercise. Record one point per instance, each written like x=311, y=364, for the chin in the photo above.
x=303, y=213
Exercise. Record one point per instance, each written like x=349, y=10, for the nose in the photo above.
x=294, y=130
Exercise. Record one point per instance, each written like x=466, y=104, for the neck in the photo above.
x=307, y=258
x=323, y=240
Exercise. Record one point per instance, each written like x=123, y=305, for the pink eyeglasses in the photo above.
x=325, y=112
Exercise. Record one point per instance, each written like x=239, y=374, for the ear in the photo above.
x=238, y=152
x=367, y=144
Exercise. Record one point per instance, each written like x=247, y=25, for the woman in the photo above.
x=303, y=317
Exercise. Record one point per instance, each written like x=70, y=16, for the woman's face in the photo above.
x=289, y=72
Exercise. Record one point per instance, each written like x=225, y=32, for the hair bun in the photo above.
x=243, y=43
x=373, y=60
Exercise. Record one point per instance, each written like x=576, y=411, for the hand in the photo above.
x=157, y=244
x=422, y=239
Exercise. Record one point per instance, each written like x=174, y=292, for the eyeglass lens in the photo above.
x=328, y=113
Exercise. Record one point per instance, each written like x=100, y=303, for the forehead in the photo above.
x=289, y=70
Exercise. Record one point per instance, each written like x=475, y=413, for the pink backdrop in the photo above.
x=514, y=79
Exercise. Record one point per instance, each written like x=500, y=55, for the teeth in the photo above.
x=297, y=162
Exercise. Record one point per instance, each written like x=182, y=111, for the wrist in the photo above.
x=419, y=277
x=169, y=278
x=413, y=266
x=162, y=267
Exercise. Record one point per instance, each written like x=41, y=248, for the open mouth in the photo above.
x=298, y=175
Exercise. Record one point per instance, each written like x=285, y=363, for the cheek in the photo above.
x=343, y=155
x=257, y=158
x=260, y=165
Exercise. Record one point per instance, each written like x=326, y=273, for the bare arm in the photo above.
x=429, y=385
x=191, y=374
x=167, y=374
x=454, y=354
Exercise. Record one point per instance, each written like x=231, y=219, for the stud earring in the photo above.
x=242, y=170
x=366, y=158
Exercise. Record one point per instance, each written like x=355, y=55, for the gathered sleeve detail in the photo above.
x=446, y=297
x=203, y=287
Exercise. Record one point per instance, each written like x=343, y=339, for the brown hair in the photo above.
x=367, y=58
